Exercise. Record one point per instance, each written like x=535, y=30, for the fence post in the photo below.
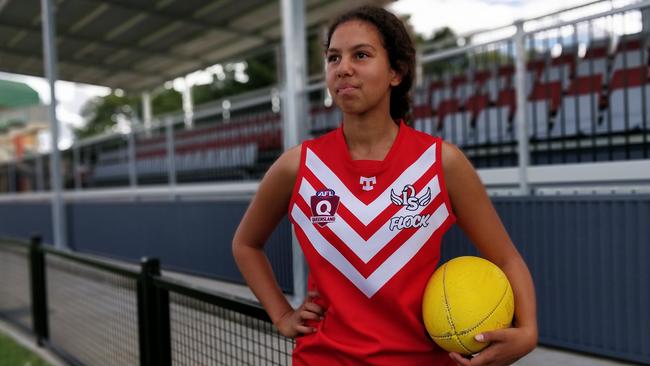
x=132, y=169
x=153, y=317
x=521, y=125
x=38, y=290
x=171, y=157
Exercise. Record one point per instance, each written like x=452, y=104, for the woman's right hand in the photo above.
x=293, y=323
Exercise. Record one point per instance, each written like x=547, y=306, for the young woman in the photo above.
x=369, y=203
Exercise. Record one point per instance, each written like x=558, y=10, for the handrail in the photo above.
x=212, y=297
x=582, y=174
x=462, y=50
x=14, y=242
x=92, y=262
x=226, y=191
x=428, y=46
x=624, y=9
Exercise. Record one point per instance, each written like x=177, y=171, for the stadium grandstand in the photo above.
x=585, y=99
x=554, y=111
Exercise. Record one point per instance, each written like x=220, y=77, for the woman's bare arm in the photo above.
x=479, y=220
x=268, y=207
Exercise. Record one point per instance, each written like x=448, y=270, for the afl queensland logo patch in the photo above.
x=323, y=207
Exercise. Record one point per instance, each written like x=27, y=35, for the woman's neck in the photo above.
x=369, y=137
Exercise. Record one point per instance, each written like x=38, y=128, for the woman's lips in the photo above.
x=346, y=89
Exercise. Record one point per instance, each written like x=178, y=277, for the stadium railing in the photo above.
x=584, y=95
x=93, y=311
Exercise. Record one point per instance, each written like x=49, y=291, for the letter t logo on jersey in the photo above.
x=367, y=183
x=323, y=207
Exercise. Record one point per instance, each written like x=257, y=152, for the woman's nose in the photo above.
x=344, y=68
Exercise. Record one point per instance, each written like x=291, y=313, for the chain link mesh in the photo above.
x=15, y=299
x=93, y=313
x=206, y=334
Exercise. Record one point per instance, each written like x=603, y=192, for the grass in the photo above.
x=13, y=354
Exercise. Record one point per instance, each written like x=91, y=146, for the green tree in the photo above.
x=166, y=101
x=442, y=39
x=100, y=114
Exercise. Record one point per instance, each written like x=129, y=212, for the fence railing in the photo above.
x=579, y=95
x=95, y=312
x=576, y=90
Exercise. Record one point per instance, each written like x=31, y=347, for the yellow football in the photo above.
x=464, y=297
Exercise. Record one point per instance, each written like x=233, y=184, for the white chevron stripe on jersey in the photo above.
x=367, y=213
x=367, y=249
x=395, y=262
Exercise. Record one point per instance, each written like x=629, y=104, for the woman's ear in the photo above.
x=395, y=77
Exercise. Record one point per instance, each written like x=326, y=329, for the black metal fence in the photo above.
x=94, y=312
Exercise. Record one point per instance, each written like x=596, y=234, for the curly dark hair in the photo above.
x=398, y=45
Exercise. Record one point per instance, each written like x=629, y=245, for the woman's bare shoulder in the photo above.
x=452, y=157
x=289, y=162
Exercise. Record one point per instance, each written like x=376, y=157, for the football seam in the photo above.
x=448, y=311
x=464, y=332
x=503, y=296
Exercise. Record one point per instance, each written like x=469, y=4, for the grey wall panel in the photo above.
x=589, y=257
x=22, y=219
x=193, y=237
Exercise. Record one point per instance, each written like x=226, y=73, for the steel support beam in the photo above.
x=294, y=113
x=51, y=73
x=523, y=149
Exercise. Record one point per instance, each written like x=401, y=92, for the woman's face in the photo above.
x=359, y=76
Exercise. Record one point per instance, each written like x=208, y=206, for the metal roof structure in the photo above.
x=137, y=45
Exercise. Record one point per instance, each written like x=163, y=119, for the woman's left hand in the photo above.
x=506, y=347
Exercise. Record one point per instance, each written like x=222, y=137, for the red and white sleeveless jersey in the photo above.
x=370, y=232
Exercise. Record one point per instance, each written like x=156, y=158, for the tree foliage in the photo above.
x=100, y=114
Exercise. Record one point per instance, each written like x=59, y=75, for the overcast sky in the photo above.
x=425, y=15
x=468, y=15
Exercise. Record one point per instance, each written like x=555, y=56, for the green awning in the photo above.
x=15, y=95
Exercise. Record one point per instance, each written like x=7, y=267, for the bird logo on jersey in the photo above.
x=412, y=202
x=409, y=199
x=323, y=207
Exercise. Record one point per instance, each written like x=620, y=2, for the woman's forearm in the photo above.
x=257, y=271
x=524, y=292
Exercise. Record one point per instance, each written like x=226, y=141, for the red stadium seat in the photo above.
x=494, y=124
x=629, y=101
x=630, y=52
x=578, y=113
x=543, y=102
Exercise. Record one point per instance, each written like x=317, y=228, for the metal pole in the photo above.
x=295, y=74
x=418, y=67
x=171, y=157
x=51, y=72
x=146, y=111
x=645, y=19
x=133, y=178
x=521, y=125
x=188, y=104
x=11, y=176
x=294, y=109
x=38, y=290
x=76, y=161
x=40, y=184
x=153, y=316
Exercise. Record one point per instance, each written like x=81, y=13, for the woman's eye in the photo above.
x=361, y=55
x=332, y=58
